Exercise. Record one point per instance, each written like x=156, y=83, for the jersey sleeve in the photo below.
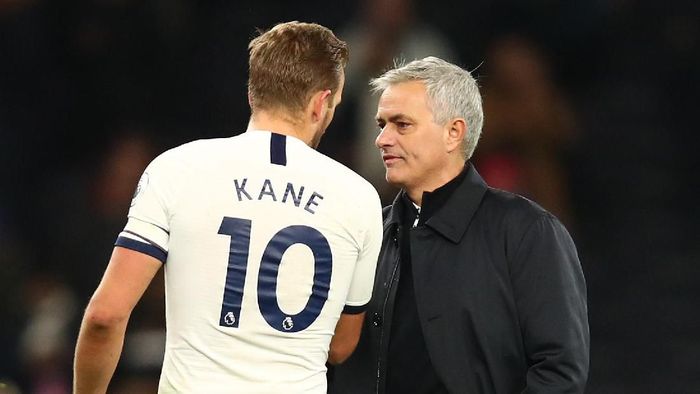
x=362, y=283
x=147, y=229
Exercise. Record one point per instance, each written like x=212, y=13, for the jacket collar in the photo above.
x=452, y=219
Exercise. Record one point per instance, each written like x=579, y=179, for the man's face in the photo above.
x=412, y=145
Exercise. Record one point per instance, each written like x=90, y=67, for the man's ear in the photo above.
x=456, y=131
x=319, y=105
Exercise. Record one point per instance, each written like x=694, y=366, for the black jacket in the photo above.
x=500, y=294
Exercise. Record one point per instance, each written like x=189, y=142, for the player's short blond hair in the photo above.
x=292, y=61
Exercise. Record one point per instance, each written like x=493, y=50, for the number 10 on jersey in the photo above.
x=239, y=230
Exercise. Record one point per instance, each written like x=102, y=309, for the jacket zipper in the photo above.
x=386, y=300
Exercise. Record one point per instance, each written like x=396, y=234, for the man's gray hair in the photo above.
x=452, y=93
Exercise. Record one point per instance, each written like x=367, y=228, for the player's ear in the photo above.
x=456, y=129
x=319, y=104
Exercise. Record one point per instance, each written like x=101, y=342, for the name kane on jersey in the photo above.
x=268, y=192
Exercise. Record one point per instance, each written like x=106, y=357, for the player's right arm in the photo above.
x=141, y=249
x=104, y=323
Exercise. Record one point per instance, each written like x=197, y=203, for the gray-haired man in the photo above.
x=477, y=290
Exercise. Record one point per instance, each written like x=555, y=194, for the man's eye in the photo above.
x=380, y=126
x=402, y=125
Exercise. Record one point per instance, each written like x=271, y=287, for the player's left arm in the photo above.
x=349, y=326
x=346, y=337
x=102, y=330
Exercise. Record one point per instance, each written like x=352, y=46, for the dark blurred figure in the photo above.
x=14, y=260
x=636, y=196
x=46, y=338
x=87, y=206
x=385, y=31
x=529, y=126
x=34, y=317
x=90, y=204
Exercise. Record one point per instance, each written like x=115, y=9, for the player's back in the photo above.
x=263, y=240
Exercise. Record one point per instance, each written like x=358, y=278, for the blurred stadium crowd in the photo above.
x=589, y=111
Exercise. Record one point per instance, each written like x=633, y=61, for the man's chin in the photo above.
x=392, y=178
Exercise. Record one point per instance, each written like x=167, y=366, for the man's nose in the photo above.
x=384, y=138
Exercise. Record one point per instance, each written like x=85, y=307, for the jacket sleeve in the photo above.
x=550, y=294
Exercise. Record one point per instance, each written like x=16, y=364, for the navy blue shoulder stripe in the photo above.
x=144, y=239
x=278, y=149
x=142, y=247
x=354, y=310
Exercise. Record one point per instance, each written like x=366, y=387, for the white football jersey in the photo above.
x=265, y=242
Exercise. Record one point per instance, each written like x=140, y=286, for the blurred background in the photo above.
x=589, y=111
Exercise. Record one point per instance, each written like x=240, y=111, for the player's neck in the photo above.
x=280, y=123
